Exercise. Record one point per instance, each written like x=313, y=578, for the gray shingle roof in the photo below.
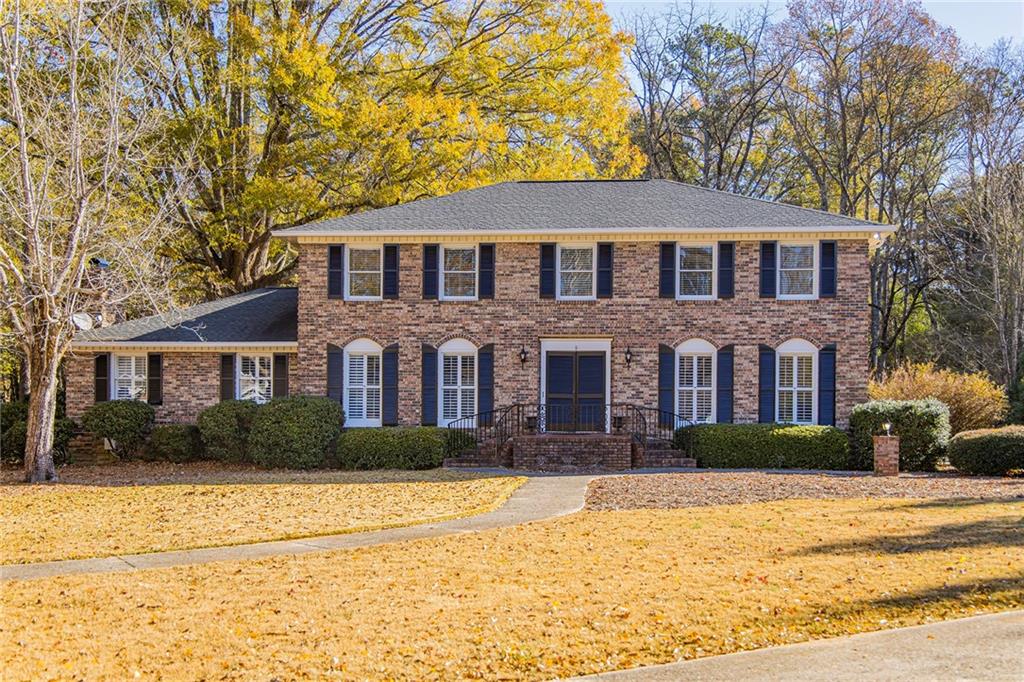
x=268, y=315
x=632, y=205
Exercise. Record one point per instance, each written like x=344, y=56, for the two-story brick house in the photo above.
x=568, y=295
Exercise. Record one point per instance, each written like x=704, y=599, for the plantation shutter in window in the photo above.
x=390, y=271
x=101, y=377
x=389, y=386
x=485, y=383
x=766, y=384
x=428, y=386
x=155, y=379
x=666, y=378
x=227, y=376
x=828, y=270
x=335, y=373
x=336, y=271
x=486, y=271
x=280, y=387
x=726, y=269
x=827, y=385
x=767, y=269
x=723, y=399
x=667, y=271
x=430, y=275
x=547, y=270
x=605, y=269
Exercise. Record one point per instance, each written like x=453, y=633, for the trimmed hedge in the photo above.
x=418, y=447
x=994, y=452
x=174, y=443
x=764, y=446
x=125, y=423
x=297, y=432
x=922, y=425
x=14, y=428
x=224, y=429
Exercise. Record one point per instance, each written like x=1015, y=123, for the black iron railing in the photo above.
x=662, y=425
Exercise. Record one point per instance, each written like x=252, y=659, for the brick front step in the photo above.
x=667, y=458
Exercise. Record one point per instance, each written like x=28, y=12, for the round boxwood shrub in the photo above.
x=12, y=440
x=14, y=411
x=125, y=423
x=174, y=443
x=922, y=425
x=418, y=447
x=994, y=452
x=764, y=446
x=295, y=433
x=224, y=429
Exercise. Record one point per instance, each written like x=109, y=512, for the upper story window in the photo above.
x=696, y=271
x=365, y=273
x=795, y=382
x=458, y=273
x=695, y=381
x=255, y=377
x=797, y=265
x=129, y=378
x=576, y=278
x=363, y=383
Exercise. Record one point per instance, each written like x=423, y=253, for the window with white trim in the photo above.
x=796, y=383
x=363, y=383
x=696, y=271
x=457, y=381
x=364, y=277
x=255, y=377
x=695, y=381
x=576, y=279
x=129, y=377
x=797, y=265
x=458, y=273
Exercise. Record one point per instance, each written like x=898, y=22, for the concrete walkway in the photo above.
x=978, y=648
x=541, y=497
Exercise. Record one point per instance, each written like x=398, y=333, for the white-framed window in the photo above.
x=129, y=377
x=798, y=265
x=363, y=383
x=364, y=276
x=695, y=381
x=796, y=372
x=695, y=271
x=459, y=273
x=255, y=377
x=457, y=377
x=576, y=271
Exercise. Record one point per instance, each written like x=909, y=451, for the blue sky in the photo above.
x=977, y=22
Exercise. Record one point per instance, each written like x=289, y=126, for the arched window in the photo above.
x=796, y=381
x=456, y=381
x=695, y=381
x=362, y=383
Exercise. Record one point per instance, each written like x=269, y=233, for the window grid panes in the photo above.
x=696, y=271
x=796, y=270
x=362, y=380
x=364, y=273
x=576, y=272
x=129, y=377
x=458, y=386
x=459, y=272
x=254, y=378
x=796, y=389
x=695, y=388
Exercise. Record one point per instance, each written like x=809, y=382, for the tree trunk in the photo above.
x=42, y=409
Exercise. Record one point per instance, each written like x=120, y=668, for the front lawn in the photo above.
x=134, y=508
x=580, y=594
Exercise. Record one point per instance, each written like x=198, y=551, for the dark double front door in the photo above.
x=575, y=391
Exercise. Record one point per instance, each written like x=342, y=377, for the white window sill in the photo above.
x=800, y=297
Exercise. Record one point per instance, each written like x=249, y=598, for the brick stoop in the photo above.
x=657, y=458
x=86, y=448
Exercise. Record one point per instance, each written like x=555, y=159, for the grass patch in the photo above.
x=586, y=593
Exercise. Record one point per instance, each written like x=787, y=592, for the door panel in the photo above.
x=575, y=391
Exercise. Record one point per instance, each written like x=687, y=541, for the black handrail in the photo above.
x=662, y=424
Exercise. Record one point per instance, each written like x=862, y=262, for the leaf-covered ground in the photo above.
x=150, y=508
x=589, y=592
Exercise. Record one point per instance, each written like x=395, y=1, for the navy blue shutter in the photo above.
x=827, y=385
x=828, y=270
x=428, y=386
x=430, y=271
x=101, y=378
x=336, y=373
x=485, y=383
x=726, y=269
x=389, y=386
x=723, y=398
x=279, y=387
x=766, y=384
x=155, y=379
x=667, y=271
x=666, y=385
x=547, y=270
x=390, y=271
x=336, y=271
x=227, y=376
x=486, y=271
x=605, y=277
x=767, y=269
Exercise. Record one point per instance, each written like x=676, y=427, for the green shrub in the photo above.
x=456, y=441
x=994, y=452
x=419, y=447
x=296, y=433
x=174, y=443
x=224, y=429
x=922, y=425
x=764, y=446
x=16, y=411
x=125, y=423
x=12, y=440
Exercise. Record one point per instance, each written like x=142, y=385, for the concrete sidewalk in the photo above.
x=541, y=497
x=979, y=648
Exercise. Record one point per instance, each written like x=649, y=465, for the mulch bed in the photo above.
x=701, y=489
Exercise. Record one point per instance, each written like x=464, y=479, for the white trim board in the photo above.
x=559, y=344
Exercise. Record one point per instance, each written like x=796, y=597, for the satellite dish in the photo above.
x=82, y=320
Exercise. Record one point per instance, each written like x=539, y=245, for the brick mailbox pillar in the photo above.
x=887, y=455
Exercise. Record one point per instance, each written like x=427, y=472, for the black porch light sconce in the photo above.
x=522, y=355
x=629, y=355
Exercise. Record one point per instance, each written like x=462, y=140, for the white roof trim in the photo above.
x=554, y=232
x=195, y=346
